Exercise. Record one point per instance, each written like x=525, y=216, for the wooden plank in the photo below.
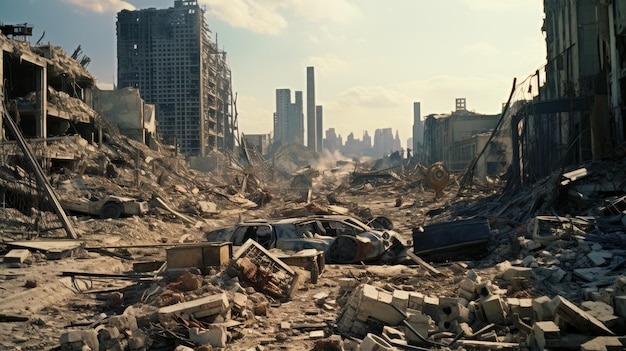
x=423, y=263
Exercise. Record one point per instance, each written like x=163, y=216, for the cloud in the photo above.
x=328, y=65
x=480, y=49
x=338, y=11
x=369, y=97
x=269, y=16
x=102, y=6
x=437, y=94
x=254, y=15
x=494, y=6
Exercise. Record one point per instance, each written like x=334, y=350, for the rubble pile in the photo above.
x=548, y=275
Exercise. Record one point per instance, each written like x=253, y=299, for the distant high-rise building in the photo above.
x=288, y=118
x=384, y=142
x=332, y=142
x=367, y=140
x=311, y=120
x=319, y=124
x=418, y=130
x=169, y=56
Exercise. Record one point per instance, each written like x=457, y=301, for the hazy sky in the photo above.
x=373, y=58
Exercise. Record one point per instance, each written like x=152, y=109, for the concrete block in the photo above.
x=123, y=322
x=545, y=334
x=451, y=309
x=558, y=275
x=216, y=336
x=74, y=340
x=316, y=334
x=588, y=274
x=400, y=299
x=416, y=300
x=431, y=307
x=603, y=343
x=619, y=305
x=240, y=301
x=468, y=284
x=541, y=309
x=377, y=304
x=493, y=308
x=16, y=256
x=108, y=333
x=522, y=272
x=421, y=322
x=202, y=307
x=523, y=307
x=596, y=258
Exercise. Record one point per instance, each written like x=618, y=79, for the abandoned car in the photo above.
x=343, y=239
x=107, y=207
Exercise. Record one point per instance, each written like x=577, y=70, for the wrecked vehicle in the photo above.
x=343, y=239
x=109, y=206
x=452, y=240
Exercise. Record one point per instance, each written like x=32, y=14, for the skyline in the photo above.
x=372, y=60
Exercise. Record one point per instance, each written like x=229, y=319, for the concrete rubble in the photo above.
x=550, y=276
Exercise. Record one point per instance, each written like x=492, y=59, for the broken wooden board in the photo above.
x=423, y=263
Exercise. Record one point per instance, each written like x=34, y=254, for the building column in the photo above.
x=41, y=103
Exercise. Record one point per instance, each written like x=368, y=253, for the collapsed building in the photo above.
x=551, y=274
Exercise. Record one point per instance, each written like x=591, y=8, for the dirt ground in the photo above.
x=53, y=303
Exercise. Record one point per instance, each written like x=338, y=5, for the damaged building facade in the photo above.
x=49, y=94
x=456, y=138
x=169, y=55
x=577, y=114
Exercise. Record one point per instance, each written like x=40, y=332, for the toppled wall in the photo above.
x=128, y=111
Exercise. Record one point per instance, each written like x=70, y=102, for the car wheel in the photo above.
x=111, y=210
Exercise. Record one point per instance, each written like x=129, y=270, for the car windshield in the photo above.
x=286, y=231
x=335, y=228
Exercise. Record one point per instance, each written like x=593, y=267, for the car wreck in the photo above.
x=342, y=239
x=110, y=206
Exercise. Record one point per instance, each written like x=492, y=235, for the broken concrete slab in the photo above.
x=16, y=256
x=215, y=336
x=578, y=318
x=198, y=308
x=603, y=343
x=53, y=249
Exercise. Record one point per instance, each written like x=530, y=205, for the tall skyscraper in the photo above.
x=288, y=118
x=168, y=54
x=311, y=120
x=320, y=127
x=418, y=128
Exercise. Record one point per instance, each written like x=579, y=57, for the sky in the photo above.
x=372, y=58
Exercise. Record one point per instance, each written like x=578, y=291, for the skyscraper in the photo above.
x=169, y=55
x=289, y=117
x=320, y=127
x=311, y=120
x=418, y=129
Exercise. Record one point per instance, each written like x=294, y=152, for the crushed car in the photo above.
x=109, y=206
x=343, y=239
